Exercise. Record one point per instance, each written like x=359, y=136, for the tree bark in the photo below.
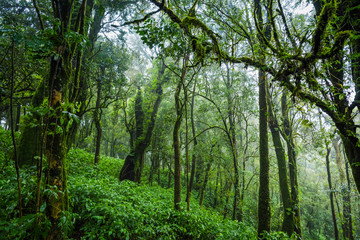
x=134, y=162
x=348, y=207
x=193, y=163
x=264, y=211
x=203, y=188
x=12, y=127
x=176, y=143
x=345, y=192
x=97, y=117
x=294, y=185
x=288, y=218
x=333, y=214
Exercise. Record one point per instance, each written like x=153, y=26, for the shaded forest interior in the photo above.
x=179, y=119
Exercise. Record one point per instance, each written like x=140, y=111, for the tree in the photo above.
x=304, y=83
x=345, y=192
x=264, y=212
x=144, y=125
x=179, y=108
x=288, y=219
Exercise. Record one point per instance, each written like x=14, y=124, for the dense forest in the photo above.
x=179, y=119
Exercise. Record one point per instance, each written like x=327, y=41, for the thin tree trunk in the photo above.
x=97, y=118
x=187, y=151
x=244, y=158
x=336, y=231
x=203, y=188
x=18, y=111
x=348, y=206
x=216, y=188
x=264, y=212
x=12, y=126
x=169, y=174
x=233, y=143
x=193, y=163
x=228, y=192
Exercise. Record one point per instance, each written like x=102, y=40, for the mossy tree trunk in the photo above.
x=61, y=89
x=345, y=192
x=288, y=216
x=134, y=162
x=264, y=212
x=176, y=146
x=179, y=107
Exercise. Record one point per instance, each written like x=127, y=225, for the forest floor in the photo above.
x=101, y=207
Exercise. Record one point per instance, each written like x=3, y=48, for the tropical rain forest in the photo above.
x=179, y=119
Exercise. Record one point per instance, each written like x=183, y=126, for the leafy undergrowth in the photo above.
x=101, y=207
x=107, y=209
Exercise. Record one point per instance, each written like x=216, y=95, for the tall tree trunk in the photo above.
x=64, y=75
x=244, y=159
x=206, y=179
x=233, y=143
x=288, y=217
x=345, y=192
x=155, y=159
x=294, y=185
x=97, y=117
x=264, y=211
x=134, y=162
x=348, y=206
x=227, y=192
x=176, y=143
x=336, y=231
x=216, y=194
x=12, y=127
x=193, y=162
x=177, y=157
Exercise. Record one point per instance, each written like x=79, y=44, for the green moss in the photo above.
x=29, y=144
x=326, y=15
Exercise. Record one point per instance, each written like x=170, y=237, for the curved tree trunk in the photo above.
x=134, y=162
